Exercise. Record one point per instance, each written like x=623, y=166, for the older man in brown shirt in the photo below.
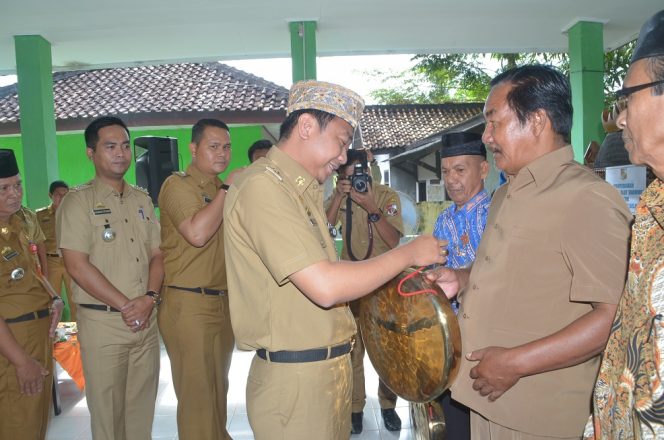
x=538, y=303
x=25, y=346
x=193, y=318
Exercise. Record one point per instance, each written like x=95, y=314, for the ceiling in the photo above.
x=130, y=32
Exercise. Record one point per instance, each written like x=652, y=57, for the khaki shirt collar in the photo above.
x=201, y=179
x=103, y=191
x=293, y=172
x=543, y=169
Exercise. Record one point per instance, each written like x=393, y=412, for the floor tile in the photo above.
x=74, y=422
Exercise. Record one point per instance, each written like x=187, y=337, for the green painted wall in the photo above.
x=75, y=168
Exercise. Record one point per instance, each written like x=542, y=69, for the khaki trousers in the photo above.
x=483, y=429
x=199, y=339
x=304, y=401
x=26, y=417
x=121, y=372
x=386, y=396
x=57, y=274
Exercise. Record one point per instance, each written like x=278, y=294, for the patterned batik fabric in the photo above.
x=629, y=395
x=463, y=228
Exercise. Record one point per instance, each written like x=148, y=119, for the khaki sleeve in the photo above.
x=36, y=231
x=72, y=223
x=155, y=227
x=179, y=200
x=391, y=208
x=275, y=227
x=596, y=244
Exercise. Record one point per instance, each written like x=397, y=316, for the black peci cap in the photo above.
x=651, y=38
x=8, y=165
x=462, y=144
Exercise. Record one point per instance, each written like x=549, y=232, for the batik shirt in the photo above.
x=463, y=228
x=629, y=394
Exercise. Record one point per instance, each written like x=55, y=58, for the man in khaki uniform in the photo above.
x=109, y=238
x=375, y=227
x=540, y=298
x=25, y=330
x=57, y=274
x=287, y=290
x=193, y=317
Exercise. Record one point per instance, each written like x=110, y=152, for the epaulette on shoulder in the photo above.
x=27, y=211
x=273, y=171
x=80, y=187
x=180, y=173
x=141, y=189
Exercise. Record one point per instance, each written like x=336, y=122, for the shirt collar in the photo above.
x=542, y=169
x=473, y=202
x=294, y=173
x=103, y=190
x=653, y=198
x=201, y=179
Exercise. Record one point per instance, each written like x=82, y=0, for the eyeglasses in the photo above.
x=622, y=95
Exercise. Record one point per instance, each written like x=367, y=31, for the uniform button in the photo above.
x=487, y=259
x=465, y=316
x=126, y=221
x=137, y=260
x=474, y=286
x=495, y=226
x=131, y=239
x=509, y=196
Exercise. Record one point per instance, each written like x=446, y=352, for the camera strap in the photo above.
x=349, y=230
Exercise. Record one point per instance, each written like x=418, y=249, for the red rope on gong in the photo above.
x=417, y=292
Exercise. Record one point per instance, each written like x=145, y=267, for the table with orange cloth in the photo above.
x=68, y=355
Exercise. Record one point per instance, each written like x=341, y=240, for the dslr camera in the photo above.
x=360, y=180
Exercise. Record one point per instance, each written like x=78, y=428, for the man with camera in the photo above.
x=371, y=224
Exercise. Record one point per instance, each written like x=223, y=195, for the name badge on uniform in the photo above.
x=100, y=209
x=108, y=234
x=9, y=253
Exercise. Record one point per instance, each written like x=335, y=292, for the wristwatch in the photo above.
x=156, y=297
x=373, y=218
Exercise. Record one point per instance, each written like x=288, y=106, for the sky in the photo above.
x=348, y=71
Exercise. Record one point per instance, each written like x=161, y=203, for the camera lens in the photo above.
x=360, y=185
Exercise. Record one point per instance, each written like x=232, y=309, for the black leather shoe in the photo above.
x=391, y=419
x=356, y=422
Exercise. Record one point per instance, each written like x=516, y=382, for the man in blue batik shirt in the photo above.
x=464, y=168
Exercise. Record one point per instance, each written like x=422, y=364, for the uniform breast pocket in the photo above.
x=105, y=230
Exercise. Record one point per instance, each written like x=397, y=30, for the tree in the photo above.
x=466, y=77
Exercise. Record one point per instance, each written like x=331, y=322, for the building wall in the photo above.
x=75, y=168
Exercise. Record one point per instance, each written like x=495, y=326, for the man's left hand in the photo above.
x=136, y=313
x=494, y=374
x=56, y=314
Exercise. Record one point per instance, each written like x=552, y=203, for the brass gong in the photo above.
x=413, y=342
x=428, y=421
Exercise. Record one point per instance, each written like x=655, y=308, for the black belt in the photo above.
x=204, y=290
x=52, y=255
x=101, y=307
x=29, y=316
x=312, y=355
